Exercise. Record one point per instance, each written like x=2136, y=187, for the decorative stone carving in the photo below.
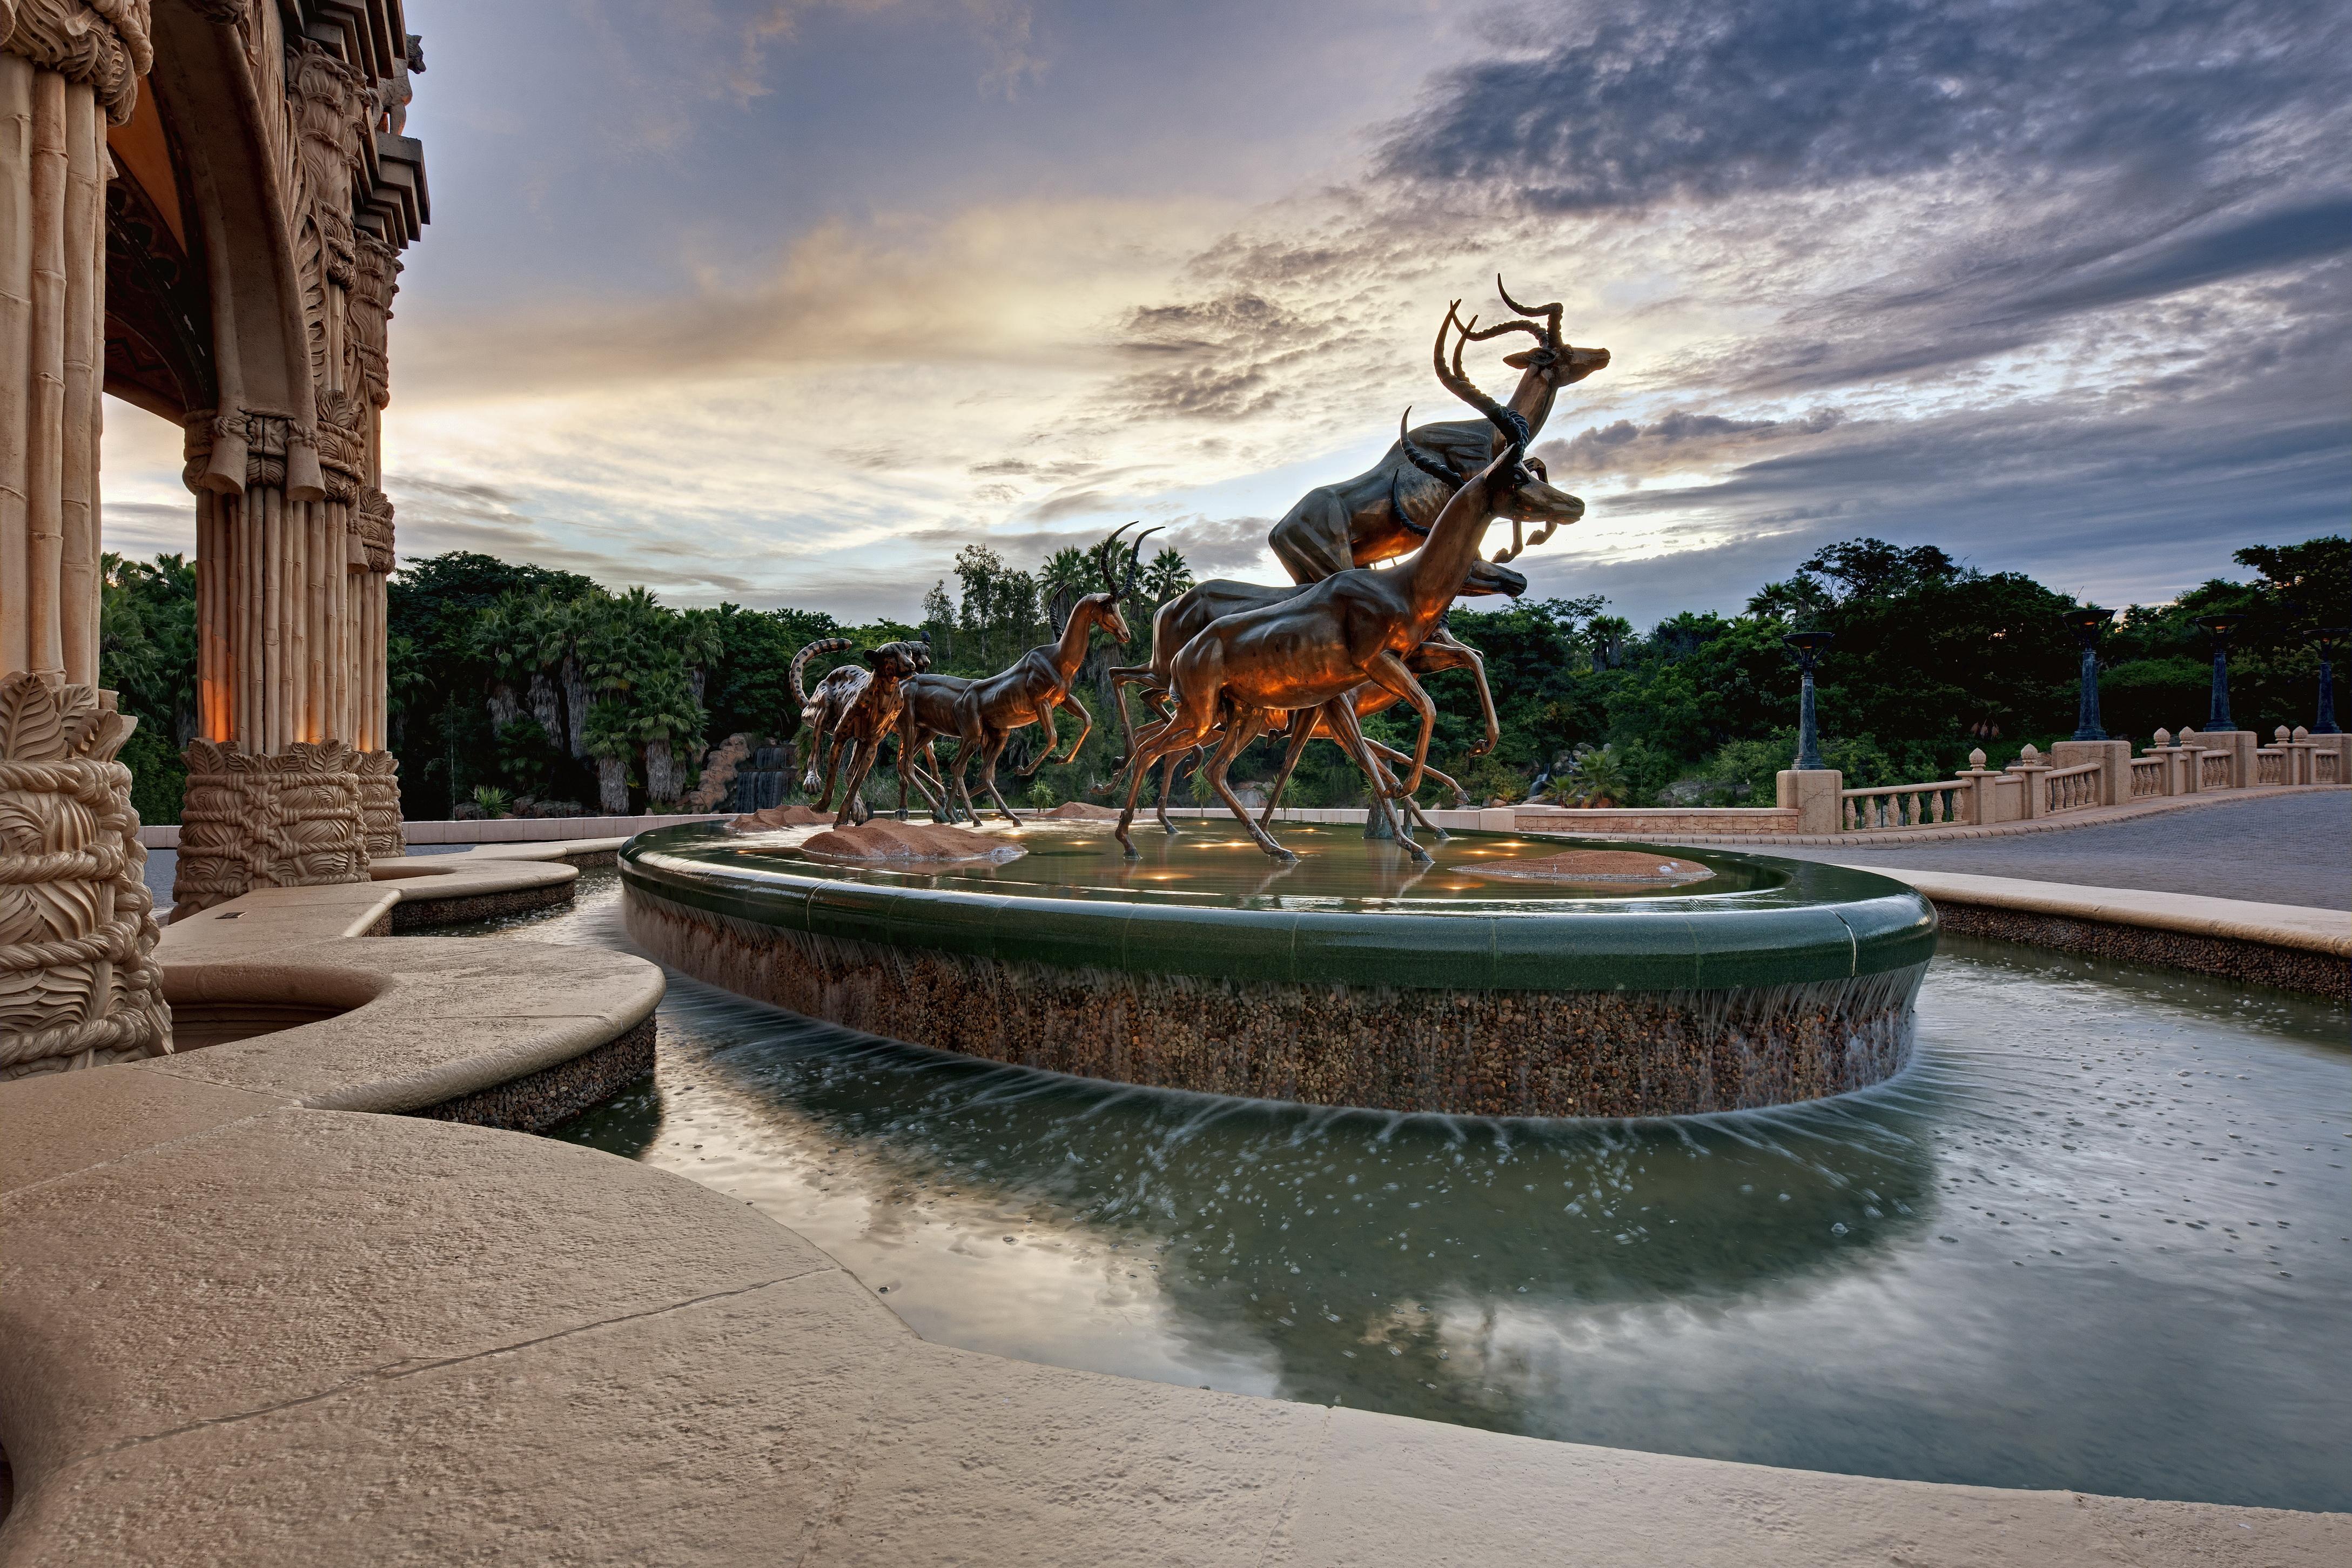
x=289, y=821
x=100, y=42
x=372, y=521
x=235, y=450
x=380, y=832
x=342, y=444
x=373, y=283
x=79, y=984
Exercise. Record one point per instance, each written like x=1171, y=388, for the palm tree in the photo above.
x=701, y=641
x=665, y=717
x=1067, y=575
x=1167, y=576
x=611, y=739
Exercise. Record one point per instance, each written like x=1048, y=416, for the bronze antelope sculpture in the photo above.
x=982, y=714
x=1352, y=523
x=857, y=707
x=1311, y=651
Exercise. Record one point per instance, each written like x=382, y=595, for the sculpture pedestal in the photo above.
x=294, y=820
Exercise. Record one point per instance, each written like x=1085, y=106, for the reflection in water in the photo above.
x=2094, y=1239
x=1212, y=863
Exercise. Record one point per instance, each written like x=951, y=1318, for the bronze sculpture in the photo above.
x=1312, y=650
x=1354, y=522
x=982, y=714
x=857, y=707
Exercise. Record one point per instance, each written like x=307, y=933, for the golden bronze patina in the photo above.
x=857, y=707
x=981, y=715
x=1311, y=651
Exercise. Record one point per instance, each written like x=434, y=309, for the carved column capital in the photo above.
x=227, y=452
x=102, y=43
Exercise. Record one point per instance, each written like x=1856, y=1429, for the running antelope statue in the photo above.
x=857, y=707
x=1307, y=654
x=981, y=715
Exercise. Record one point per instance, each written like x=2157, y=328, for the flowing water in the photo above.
x=2096, y=1237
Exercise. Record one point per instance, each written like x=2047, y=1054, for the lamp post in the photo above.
x=2089, y=622
x=1808, y=645
x=2329, y=639
x=2220, y=627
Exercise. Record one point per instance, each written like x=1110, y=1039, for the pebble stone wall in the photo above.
x=1470, y=1052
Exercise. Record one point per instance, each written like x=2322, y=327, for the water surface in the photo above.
x=2096, y=1237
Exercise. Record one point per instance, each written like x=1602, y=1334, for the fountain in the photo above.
x=1354, y=975
x=1473, y=974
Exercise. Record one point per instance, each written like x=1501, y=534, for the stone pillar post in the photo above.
x=1816, y=795
x=2114, y=757
x=1982, y=812
x=2301, y=769
x=2161, y=747
x=2029, y=768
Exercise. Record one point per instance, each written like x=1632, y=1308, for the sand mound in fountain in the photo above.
x=781, y=817
x=889, y=841
x=1605, y=868
x=1080, y=811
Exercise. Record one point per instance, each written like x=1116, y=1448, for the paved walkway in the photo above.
x=2284, y=848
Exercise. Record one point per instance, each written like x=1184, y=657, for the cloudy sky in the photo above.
x=782, y=303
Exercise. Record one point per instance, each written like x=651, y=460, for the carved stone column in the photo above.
x=291, y=820
x=77, y=979
x=78, y=984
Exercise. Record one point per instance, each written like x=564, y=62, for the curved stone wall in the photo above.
x=1671, y=1008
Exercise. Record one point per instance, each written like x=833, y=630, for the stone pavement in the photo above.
x=2281, y=849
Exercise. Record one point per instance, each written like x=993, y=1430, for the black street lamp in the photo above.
x=2221, y=626
x=1809, y=741
x=2089, y=622
x=2329, y=639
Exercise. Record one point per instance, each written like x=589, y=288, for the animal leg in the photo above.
x=1243, y=729
x=1340, y=714
x=853, y=757
x=1302, y=730
x=989, y=753
x=1389, y=672
x=1086, y=725
x=1388, y=754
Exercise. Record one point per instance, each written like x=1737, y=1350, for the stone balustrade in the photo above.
x=2085, y=775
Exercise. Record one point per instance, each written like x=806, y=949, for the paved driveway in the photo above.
x=2281, y=849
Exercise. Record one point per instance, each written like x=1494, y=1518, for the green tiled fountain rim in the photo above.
x=1817, y=923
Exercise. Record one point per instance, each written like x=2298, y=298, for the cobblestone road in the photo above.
x=2288, y=848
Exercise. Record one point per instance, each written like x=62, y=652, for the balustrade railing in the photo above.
x=2327, y=768
x=2147, y=777
x=2213, y=770
x=2070, y=788
x=2271, y=767
x=1894, y=806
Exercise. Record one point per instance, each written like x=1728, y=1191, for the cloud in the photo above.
x=1625, y=103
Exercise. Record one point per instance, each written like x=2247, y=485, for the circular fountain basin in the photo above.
x=1352, y=977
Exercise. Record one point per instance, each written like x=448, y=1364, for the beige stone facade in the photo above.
x=202, y=204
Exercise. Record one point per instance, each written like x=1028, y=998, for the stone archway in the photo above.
x=202, y=208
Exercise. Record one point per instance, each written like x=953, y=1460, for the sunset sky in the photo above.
x=782, y=303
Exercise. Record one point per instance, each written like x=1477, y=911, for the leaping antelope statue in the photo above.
x=1306, y=655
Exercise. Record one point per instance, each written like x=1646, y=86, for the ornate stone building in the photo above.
x=202, y=204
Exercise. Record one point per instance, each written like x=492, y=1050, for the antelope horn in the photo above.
x=1550, y=313
x=1103, y=558
x=1514, y=429
x=1135, y=562
x=1396, y=505
x=1436, y=467
x=1499, y=327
